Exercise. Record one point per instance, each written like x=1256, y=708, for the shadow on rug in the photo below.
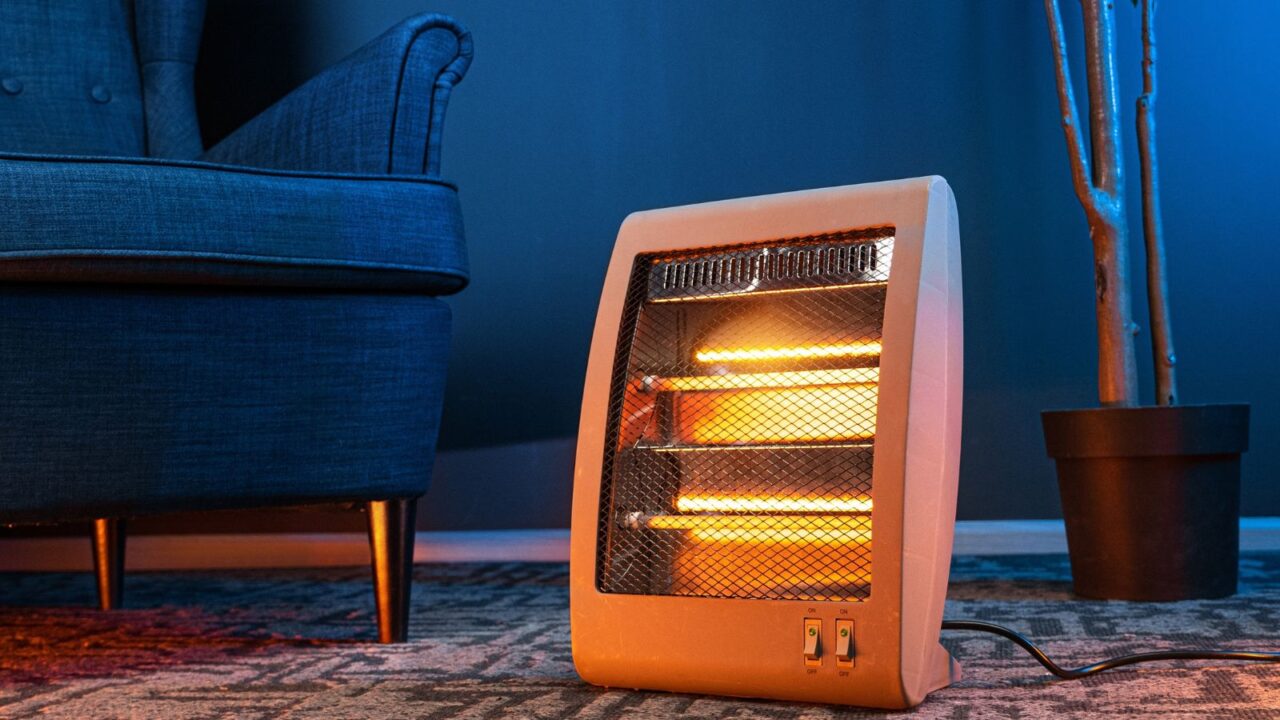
x=492, y=641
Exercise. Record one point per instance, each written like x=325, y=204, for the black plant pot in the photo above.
x=1151, y=498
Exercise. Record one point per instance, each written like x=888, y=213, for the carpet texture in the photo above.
x=492, y=641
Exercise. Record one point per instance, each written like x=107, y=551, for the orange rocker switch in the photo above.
x=844, y=643
x=812, y=642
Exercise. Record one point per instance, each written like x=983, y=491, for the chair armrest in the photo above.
x=380, y=110
x=148, y=221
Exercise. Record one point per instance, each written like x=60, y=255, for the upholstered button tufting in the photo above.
x=101, y=94
x=13, y=86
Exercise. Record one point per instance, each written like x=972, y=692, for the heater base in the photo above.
x=748, y=665
x=945, y=672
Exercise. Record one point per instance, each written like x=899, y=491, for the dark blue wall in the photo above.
x=578, y=112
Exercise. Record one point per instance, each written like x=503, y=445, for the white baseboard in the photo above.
x=1036, y=537
x=207, y=552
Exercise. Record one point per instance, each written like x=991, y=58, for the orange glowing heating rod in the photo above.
x=767, y=529
x=779, y=407
x=751, y=503
x=788, y=378
x=806, y=352
x=800, y=519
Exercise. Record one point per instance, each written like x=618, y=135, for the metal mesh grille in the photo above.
x=742, y=419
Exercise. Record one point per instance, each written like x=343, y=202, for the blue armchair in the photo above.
x=252, y=325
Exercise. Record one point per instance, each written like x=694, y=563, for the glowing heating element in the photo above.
x=768, y=529
x=789, y=378
x=748, y=550
x=735, y=503
x=809, y=352
x=778, y=415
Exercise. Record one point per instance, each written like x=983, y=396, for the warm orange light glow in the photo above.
x=790, y=535
x=764, y=504
x=758, y=447
x=754, y=569
x=803, y=352
x=806, y=414
x=795, y=378
x=768, y=529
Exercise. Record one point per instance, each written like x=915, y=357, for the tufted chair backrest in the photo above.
x=99, y=77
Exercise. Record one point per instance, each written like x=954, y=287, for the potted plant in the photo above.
x=1150, y=494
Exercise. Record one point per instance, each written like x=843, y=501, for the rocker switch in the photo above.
x=844, y=643
x=812, y=642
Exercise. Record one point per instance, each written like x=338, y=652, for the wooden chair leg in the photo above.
x=391, y=531
x=108, y=561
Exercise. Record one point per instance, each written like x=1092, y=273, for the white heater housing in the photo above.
x=764, y=496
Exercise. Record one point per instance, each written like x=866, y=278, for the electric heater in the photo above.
x=766, y=472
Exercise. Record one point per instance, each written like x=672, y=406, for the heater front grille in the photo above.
x=742, y=421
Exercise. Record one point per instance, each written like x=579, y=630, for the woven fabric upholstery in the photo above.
x=213, y=398
x=168, y=35
x=69, y=78
x=181, y=334
x=380, y=110
x=78, y=219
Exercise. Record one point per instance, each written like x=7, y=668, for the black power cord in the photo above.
x=1087, y=670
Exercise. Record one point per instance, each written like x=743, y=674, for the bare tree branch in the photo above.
x=1101, y=196
x=1104, y=103
x=1152, y=225
x=1067, y=108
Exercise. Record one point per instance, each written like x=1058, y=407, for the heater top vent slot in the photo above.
x=804, y=263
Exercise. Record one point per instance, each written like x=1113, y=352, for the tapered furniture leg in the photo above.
x=391, y=543
x=108, y=561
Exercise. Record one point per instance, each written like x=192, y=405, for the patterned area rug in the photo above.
x=492, y=641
